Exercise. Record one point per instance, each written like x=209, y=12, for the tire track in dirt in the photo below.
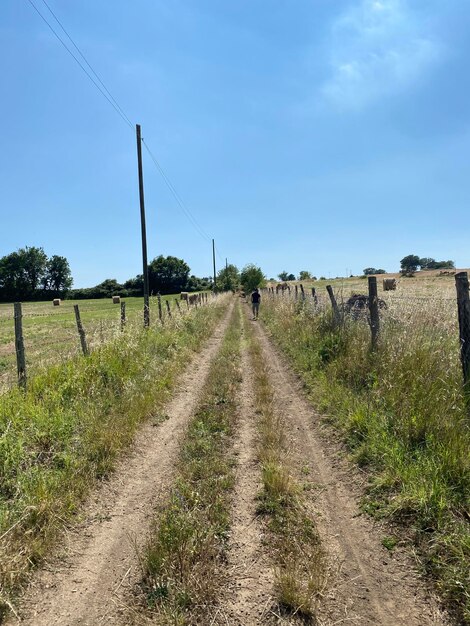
x=87, y=584
x=248, y=596
x=370, y=586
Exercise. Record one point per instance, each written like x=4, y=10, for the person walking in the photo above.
x=255, y=300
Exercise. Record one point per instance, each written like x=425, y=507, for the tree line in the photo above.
x=29, y=274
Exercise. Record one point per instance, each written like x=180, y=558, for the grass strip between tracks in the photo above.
x=183, y=562
x=62, y=435
x=301, y=564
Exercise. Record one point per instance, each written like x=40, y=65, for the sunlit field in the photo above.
x=400, y=407
x=50, y=332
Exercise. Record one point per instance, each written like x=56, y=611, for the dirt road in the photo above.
x=91, y=583
x=87, y=583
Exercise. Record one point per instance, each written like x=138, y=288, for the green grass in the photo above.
x=184, y=560
x=402, y=413
x=67, y=430
x=50, y=333
x=300, y=561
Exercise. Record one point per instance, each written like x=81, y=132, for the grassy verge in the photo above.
x=50, y=333
x=65, y=433
x=182, y=563
x=301, y=567
x=401, y=412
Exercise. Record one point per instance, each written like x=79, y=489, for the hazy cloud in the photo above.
x=378, y=47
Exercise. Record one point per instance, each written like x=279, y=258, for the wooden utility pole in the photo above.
x=463, y=303
x=144, y=233
x=213, y=261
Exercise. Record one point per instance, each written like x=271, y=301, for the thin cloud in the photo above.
x=378, y=48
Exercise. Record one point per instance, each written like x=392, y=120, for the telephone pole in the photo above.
x=213, y=261
x=144, y=233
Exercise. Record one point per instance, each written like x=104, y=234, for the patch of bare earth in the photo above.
x=248, y=596
x=89, y=582
x=368, y=584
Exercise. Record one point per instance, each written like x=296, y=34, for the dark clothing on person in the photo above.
x=255, y=300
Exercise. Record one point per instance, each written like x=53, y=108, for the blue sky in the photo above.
x=320, y=135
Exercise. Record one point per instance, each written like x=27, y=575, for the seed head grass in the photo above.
x=183, y=563
x=402, y=412
x=301, y=567
x=65, y=432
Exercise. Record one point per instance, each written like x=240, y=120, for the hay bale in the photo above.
x=56, y=302
x=184, y=295
x=116, y=299
x=389, y=284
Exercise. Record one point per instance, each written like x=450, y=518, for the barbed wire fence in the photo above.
x=444, y=320
x=34, y=340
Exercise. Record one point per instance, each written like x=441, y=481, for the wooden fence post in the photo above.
x=302, y=291
x=19, y=345
x=123, y=315
x=160, y=312
x=336, y=314
x=168, y=308
x=296, y=292
x=374, y=311
x=463, y=303
x=177, y=305
x=81, y=330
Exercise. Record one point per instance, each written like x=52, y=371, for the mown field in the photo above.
x=50, y=333
x=400, y=408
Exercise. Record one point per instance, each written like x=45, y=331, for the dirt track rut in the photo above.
x=369, y=586
x=86, y=585
x=90, y=583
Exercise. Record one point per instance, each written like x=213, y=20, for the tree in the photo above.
x=228, y=279
x=283, y=276
x=409, y=264
x=252, y=277
x=370, y=271
x=304, y=275
x=27, y=273
x=58, y=276
x=168, y=275
x=428, y=263
x=34, y=262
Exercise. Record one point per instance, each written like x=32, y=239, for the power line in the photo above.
x=176, y=195
x=116, y=107
x=88, y=64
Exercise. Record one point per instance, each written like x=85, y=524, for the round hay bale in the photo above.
x=116, y=299
x=56, y=302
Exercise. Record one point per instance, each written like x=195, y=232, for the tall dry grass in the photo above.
x=402, y=412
